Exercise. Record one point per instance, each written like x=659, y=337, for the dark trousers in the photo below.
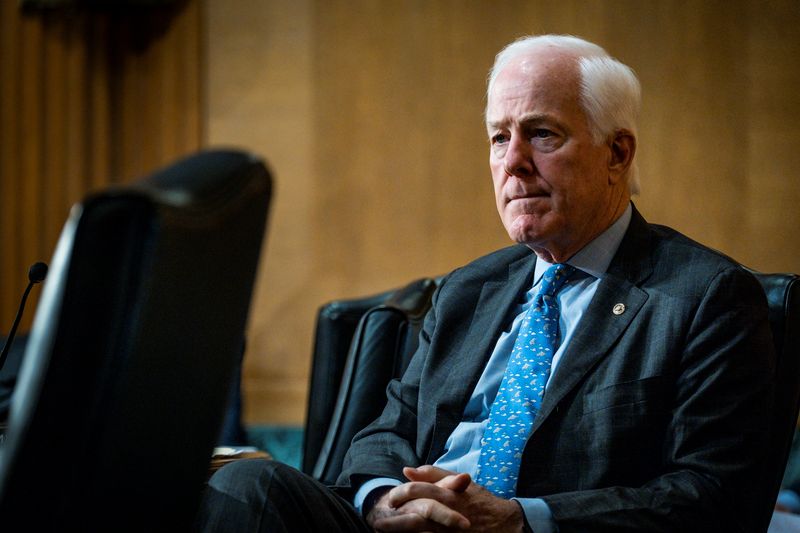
x=255, y=495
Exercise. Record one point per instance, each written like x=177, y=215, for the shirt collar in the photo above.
x=595, y=257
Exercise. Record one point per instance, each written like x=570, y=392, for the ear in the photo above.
x=623, y=148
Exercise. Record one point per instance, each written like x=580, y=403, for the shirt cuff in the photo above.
x=538, y=515
x=367, y=488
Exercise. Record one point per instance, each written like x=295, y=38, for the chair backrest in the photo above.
x=783, y=297
x=124, y=382
x=361, y=344
x=8, y=377
x=336, y=325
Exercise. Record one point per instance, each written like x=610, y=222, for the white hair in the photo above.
x=610, y=93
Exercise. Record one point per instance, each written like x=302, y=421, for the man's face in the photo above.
x=551, y=181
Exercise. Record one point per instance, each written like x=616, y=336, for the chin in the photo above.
x=524, y=230
x=527, y=238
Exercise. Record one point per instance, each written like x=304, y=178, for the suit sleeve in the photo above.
x=715, y=433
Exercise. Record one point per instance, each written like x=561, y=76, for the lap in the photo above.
x=255, y=495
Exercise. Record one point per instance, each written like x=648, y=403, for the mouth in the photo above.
x=527, y=196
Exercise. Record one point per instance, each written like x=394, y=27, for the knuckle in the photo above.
x=425, y=509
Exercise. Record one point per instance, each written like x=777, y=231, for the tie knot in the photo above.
x=554, y=278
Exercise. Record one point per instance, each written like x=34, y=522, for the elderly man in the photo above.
x=603, y=374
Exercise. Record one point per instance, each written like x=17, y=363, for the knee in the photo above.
x=250, y=480
x=260, y=495
x=242, y=479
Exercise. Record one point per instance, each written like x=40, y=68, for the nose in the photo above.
x=518, y=160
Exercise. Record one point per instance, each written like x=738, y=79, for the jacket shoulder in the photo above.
x=492, y=264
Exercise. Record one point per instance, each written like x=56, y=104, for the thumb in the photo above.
x=427, y=473
x=457, y=482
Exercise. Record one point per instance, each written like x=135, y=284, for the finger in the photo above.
x=428, y=473
x=444, y=515
x=415, y=490
x=452, y=481
x=456, y=483
x=405, y=522
x=422, y=514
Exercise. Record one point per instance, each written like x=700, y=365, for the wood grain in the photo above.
x=86, y=99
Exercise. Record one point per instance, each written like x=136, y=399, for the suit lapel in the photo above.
x=491, y=310
x=466, y=365
x=601, y=326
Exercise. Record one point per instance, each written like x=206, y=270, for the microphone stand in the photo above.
x=36, y=273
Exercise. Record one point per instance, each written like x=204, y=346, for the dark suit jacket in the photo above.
x=654, y=419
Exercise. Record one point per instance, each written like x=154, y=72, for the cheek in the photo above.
x=499, y=179
x=495, y=165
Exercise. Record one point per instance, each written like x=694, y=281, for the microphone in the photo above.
x=36, y=274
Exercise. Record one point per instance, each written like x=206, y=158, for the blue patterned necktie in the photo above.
x=522, y=389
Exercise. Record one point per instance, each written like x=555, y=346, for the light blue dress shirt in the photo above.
x=463, y=446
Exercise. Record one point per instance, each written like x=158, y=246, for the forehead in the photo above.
x=541, y=85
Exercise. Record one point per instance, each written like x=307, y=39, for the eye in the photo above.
x=541, y=133
x=499, y=138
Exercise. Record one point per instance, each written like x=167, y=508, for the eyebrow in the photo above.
x=528, y=118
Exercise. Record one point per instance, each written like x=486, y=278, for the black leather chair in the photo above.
x=8, y=376
x=360, y=345
x=783, y=296
x=125, y=377
x=359, y=348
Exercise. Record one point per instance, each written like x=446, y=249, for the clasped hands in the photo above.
x=439, y=500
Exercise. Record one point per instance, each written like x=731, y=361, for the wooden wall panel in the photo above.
x=86, y=99
x=765, y=230
x=370, y=113
x=260, y=93
x=9, y=101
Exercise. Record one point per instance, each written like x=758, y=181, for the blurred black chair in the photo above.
x=124, y=381
x=8, y=376
x=783, y=296
x=232, y=433
x=360, y=345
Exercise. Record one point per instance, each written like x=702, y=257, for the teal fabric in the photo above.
x=283, y=443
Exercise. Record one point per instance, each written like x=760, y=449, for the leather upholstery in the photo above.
x=125, y=377
x=336, y=324
x=361, y=344
x=783, y=296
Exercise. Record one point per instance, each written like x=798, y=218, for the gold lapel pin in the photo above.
x=618, y=309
